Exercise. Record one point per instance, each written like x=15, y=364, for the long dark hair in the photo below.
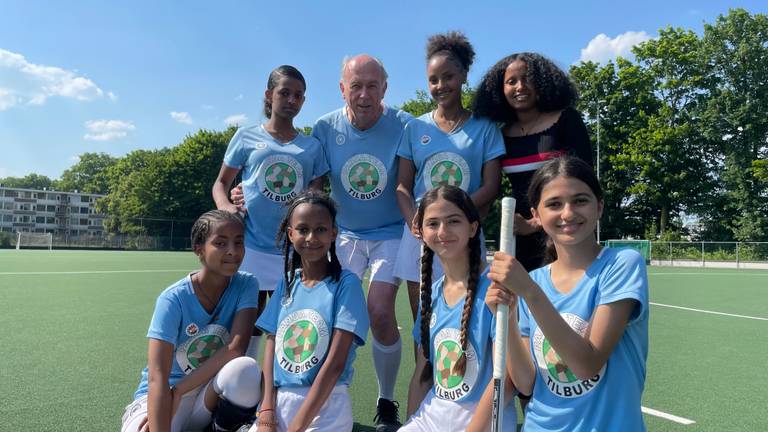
x=460, y=199
x=565, y=166
x=274, y=76
x=554, y=89
x=292, y=259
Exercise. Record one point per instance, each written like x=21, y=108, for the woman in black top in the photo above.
x=533, y=99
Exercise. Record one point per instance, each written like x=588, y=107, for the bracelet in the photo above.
x=268, y=424
x=266, y=409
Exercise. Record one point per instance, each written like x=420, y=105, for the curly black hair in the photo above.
x=554, y=89
x=454, y=44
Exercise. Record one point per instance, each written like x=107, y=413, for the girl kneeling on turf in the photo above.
x=315, y=321
x=454, y=328
x=582, y=338
x=200, y=329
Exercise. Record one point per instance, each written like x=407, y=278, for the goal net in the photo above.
x=34, y=240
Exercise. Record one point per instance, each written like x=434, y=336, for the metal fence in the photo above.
x=710, y=254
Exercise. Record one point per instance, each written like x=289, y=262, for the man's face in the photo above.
x=363, y=88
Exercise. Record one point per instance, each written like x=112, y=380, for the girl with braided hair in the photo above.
x=196, y=369
x=454, y=329
x=314, y=323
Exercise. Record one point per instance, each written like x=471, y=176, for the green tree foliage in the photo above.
x=89, y=174
x=30, y=181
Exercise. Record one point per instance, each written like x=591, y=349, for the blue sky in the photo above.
x=101, y=76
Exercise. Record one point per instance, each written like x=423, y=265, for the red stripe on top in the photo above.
x=538, y=157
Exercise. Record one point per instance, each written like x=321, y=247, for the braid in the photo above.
x=469, y=300
x=427, y=257
x=203, y=226
x=335, y=266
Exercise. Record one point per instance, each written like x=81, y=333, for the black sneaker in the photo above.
x=387, y=419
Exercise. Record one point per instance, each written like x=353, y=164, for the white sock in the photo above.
x=386, y=361
x=253, y=348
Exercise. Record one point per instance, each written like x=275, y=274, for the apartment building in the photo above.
x=64, y=214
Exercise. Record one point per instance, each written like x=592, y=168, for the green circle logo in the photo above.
x=556, y=366
x=203, y=348
x=281, y=178
x=446, y=357
x=446, y=173
x=299, y=341
x=364, y=177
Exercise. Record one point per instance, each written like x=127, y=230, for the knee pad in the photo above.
x=229, y=417
x=239, y=382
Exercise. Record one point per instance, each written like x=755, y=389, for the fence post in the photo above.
x=737, y=254
x=670, y=254
x=171, y=240
x=702, y=254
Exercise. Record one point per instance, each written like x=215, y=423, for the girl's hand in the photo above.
x=414, y=226
x=505, y=270
x=267, y=421
x=524, y=227
x=144, y=425
x=175, y=401
x=237, y=197
x=497, y=295
x=295, y=426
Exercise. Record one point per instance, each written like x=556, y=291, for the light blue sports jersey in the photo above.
x=363, y=168
x=455, y=158
x=444, y=335
x=609, y=401
x=196, y=335
x=273, y=173
x=303, y=325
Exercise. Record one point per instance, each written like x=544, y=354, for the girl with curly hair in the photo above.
x=533, y=99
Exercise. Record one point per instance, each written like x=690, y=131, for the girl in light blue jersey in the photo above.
x=315, y=322
x=582, y=339
x=199, y=332
x=277, y=162
x=446, y=146
x=451, y=388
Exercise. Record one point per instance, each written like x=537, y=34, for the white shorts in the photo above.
x=267, y=267
x=435, y=414
x=334, y=416
x=192, y=415
x=358, y=255
x=408, y=262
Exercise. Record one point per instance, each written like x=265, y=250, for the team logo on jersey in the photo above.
x=203, y=345
x=364, y=177
x=425, y=139
x=449, y=384
x=260, y=145
x=340, y=139
x=446, y=168
x=301, y=341
x=192, y=329
x=559, y=378
x=281, y=179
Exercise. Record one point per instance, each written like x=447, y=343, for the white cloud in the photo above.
x=33, y=84
x=207, y=107
x=239, y=97
x=181, y=117
x=112, y=96
x=107, y=130
x=602, y=48
x=236, y=119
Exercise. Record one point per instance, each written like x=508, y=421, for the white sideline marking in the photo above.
x=670, y=417
x=93, y=272
x=709, y=312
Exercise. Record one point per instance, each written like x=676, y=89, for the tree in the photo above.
x=30, y=181
x=89, y=174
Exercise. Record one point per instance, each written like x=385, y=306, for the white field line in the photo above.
x=709, y=312
x=93, y=272
x=670, y=417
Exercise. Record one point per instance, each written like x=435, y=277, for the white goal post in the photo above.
x=37, y=240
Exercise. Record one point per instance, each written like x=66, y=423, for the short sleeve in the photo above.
x=494, y=143
x=350, y=310
x=166, y=320
x=235, y=157
x=249, y=292
x=404, y=145
x=318, y=131
x=268, y=319
x=625, y=278
x=523, y=320
x=320, y=164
